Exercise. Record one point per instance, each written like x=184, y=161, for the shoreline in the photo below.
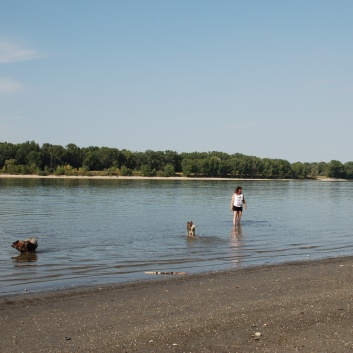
x=155, y=277
x=294, y=306
x=106, y=177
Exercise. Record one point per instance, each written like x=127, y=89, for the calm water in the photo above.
x=106, y=231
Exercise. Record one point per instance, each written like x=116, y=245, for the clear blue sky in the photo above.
x=263, y=78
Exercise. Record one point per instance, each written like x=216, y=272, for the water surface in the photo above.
x=106, y=231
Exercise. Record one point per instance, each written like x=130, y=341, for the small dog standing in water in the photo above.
x=191, y=229
x=25, y=246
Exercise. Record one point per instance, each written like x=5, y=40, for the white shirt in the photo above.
x=238, y=200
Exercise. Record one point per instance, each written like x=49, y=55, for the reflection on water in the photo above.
x=236, y=236
x=101, y=231
x=30, y=257
x=236, y=242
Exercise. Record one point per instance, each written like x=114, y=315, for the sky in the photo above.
x=272, y=79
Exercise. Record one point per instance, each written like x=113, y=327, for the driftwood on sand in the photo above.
x=165, y=273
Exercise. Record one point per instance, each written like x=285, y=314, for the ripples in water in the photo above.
x=96, y=232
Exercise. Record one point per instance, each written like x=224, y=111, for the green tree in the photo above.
x=314, y=171
x=224, y=169
x=52, y=155
x=210, y=167
x=169, y=170
x=155, y=159
x=186, y=166
x=124, y=171
x=7, y=152
x=146, y=170
x=29, y=149
x=105, y=158
x=256, y=167
x=348, y=170
x=245, y=166
x=234, y=167
x=172, y=157
x=74, y=155
x=335, y=169
x=276, y=169
x=10, y=166
x=299, y=170
x=91, y=161
x=322, y=166
x=128, y=159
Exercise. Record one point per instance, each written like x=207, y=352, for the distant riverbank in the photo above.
x=110, y=177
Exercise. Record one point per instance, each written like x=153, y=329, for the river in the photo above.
x=94, y=232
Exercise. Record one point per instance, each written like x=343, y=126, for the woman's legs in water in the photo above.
x=237, y=217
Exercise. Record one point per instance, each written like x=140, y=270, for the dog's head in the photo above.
x=18, y=245
x=191, y=229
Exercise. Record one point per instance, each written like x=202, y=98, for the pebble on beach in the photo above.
x=257, y=335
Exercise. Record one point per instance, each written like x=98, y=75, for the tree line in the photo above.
x=31, y=158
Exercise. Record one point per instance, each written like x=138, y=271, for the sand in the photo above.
x=306, y=307
x=110, y=177
x=107, y=177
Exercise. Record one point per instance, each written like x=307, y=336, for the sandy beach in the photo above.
x=103, y=177
x=304, y=307
x=108, y=177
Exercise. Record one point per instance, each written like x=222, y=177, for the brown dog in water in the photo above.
x=25, y=246
x=191, y=229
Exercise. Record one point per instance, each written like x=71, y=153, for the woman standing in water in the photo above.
x=238, y=200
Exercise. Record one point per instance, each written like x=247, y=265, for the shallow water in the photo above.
x=105, y=231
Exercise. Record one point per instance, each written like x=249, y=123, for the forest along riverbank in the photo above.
x=297, y=306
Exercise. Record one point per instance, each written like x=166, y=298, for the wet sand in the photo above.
x=306, y=307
